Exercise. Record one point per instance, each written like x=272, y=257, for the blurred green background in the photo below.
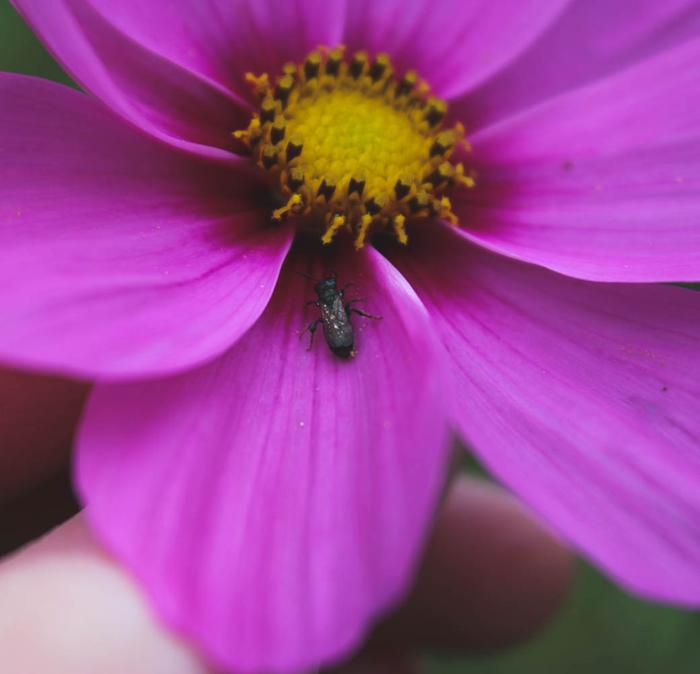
x=600, y=630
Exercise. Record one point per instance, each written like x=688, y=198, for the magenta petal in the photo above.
x=584, y=398
x=223, y=39
x=454, y=44
x=273, y=502
x=602, y=183
x=118, y=255
x=167, y=100
x=590, y=40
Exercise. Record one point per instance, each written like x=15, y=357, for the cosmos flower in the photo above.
x=272, y=500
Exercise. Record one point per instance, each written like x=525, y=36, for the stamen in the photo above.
x=354, y=148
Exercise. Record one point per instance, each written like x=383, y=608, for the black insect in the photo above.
x=335, y=317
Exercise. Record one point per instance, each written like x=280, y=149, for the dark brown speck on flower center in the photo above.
x=352, y=147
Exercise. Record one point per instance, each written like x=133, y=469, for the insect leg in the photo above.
x=349, y=310
x=311, y=328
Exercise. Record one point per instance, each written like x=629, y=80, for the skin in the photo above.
x=490, y=576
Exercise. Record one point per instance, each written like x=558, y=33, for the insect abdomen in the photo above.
x=337, y=329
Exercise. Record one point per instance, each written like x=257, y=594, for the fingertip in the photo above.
x=68, y=609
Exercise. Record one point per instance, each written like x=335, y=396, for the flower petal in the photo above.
x=273, y=501
x=602, y=183
x=584, y=398
x=223, y=39
x=119, y=256
x=589, y=41
x=169, y=101
x=455, y=45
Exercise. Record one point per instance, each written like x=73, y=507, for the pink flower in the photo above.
x=271, y=500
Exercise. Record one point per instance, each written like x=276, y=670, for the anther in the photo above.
x=443, y=143
x=326, y=189
x=284, y=88
x=267, y=110
x=356, y=186
x=277, y=131
x=269, y=156
x=294, y=148
x=402, y=187
x=441, y=174
x=335, y=58
x=312, y=65
x=405, y=86
x=435, y=111
x=375, y=204
x=358, y=64
x=379, y=67
x=295, y=178
x=420, y=202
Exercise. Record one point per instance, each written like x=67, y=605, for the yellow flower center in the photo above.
x=352, y=147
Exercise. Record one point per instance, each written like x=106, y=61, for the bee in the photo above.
x=335, y=317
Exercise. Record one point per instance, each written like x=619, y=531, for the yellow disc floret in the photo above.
x=352, y=147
